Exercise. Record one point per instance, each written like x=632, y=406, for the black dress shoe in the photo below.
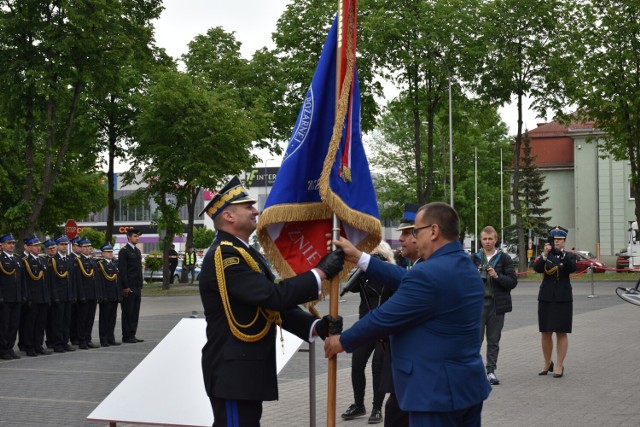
x=92, y=345
x=31, y=353
x=43, y=351
x=376, y=416
x=130, y=340
x=59, y=349
x=75, y=342
x=114, y=342
x=354, y=411
x=13, y=354
x=138, y=339
x=104, y=343
x=6, y=356
x=83, y=346
x=546, y=371
x=67, y=347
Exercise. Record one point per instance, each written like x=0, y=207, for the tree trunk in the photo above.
x=111, y=202
x=517, y=206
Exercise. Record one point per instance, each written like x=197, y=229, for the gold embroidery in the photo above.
x=33, y=276
x=270, y=316
x=112, y=277
x=52, y=262
x=84, y=272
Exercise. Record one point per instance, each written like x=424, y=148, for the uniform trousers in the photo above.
x=86, y=316
x=73, y=324
x=393, y=415
x=9, y=324
x=36, y=322
x=60, y=323
x=468, y=417
x=491, y=324
x=130, y=307
x=236, y=413
x=107, y=321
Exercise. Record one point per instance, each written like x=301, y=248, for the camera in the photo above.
x=483, y=272
x=554, y=249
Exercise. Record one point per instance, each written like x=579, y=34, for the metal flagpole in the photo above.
x=476, y=188
x=501, y=201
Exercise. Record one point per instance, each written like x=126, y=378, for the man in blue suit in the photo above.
x=433, y=321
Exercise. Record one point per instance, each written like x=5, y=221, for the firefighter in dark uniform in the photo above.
x=84, y=275
x=130, y=268
x=73, y=323
x=38, y=298
x=242, y=306
x=12, y=295
x=63, y=295
x=107, y=277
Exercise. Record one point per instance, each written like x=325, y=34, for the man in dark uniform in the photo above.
x=12, y=294
x=173, y=262
x=108, y=280
x=84, y=276
x=236, y=287
x=38, y=298
x=73, y=323
x=63, y=294
x=130, y=268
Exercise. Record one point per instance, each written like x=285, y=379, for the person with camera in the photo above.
x=372, y=293
x=555, y=299
x=499, y=278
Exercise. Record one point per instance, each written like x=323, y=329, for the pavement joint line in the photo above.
x=33, y=399
x=65, y=371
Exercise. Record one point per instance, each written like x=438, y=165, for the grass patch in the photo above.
x=155, y=289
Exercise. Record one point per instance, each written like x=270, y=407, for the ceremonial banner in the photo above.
x=324, y=170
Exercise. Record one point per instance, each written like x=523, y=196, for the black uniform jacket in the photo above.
x=130, y=267
x=108, y=280
x=232, y=368
x=556, y=284
x=62, y=287
x=38, y=291
x=84, y=275
x=11, y=286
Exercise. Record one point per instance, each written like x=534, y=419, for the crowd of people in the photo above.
x=48, y=304
x=424, y=314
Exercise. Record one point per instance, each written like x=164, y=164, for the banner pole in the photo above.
x=333, y=362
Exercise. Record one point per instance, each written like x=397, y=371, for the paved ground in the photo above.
x=600, y=386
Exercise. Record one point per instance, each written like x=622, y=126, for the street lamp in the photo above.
x=450, y=144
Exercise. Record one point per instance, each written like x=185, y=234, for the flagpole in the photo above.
x=332, y=370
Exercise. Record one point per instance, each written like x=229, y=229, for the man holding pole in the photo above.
x=243, y=305
x=433, y=321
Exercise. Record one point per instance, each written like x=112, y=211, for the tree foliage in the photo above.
x=514, y=58
x=604, y=56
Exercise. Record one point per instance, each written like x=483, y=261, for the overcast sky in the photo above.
x=253, y=21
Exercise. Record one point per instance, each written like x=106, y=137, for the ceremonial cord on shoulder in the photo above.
x=52, y=262
x=8, y=273
x=30, y=272
x=552, y=271
x=270, y=316
x=109, y=277
x=84, y=272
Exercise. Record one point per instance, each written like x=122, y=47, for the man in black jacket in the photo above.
x=243, y=304
x=64, y=296
x=130, y=268
x=89, y=294
x=499, y=277
x=12, y=294
x=108, y=281
x=38, y=298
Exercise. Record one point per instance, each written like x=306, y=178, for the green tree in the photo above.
x=479, y=130
x=604, y=56
x=202, y=237
x=188, y=138
x=532, y=196
x=54, y=54
x=97, y=238
x=514, y=58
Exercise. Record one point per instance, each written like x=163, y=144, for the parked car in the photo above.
x=622, y=262
x=151, y=276
x=585, y=262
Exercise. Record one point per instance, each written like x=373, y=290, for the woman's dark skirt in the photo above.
x=555, y=316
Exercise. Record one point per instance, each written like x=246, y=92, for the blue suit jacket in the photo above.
x=433, y=320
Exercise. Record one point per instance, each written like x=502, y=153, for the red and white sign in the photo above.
x=71, y=229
